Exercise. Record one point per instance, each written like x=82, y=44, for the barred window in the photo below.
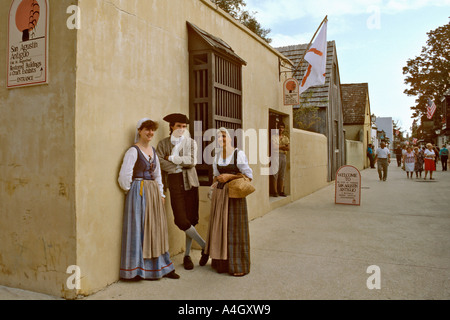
x=215, y=82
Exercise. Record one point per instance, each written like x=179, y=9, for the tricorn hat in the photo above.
x=176, y=117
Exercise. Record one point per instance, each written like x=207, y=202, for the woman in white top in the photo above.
x=228, y=240
x=145, y=240
x=409, y=160
x=430, y=165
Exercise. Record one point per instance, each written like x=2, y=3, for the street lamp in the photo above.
x=374, y=118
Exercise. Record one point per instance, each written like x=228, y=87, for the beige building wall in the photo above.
x=309, y=169
x=363, y=134
x=355, y=154
x=37, y=166
x=61, y=204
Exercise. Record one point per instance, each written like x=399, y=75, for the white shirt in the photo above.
x=176, y=150
x=383, y=153
x=242, y=163
x=429, y=153
x=126, y=171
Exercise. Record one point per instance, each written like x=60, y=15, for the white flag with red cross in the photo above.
x=317, y=57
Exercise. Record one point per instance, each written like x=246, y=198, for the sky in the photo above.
x=374, y=40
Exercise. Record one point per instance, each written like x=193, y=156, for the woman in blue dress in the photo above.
x=145, y=241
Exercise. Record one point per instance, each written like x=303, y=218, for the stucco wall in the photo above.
x=355, y=154
x=37, y=166
x=353, y=132
x=308, y=163
x=64, y=143
x=133, y=63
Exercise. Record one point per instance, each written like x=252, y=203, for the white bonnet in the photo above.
x=138, y=126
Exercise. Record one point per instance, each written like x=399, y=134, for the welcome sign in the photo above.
x=348, y=186
x=27, y=63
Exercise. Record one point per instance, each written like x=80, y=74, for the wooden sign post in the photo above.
x=348, y=186
x=291, y=92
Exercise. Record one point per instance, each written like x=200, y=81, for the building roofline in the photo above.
x=226, y=15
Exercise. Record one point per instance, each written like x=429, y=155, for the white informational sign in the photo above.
x=291, y=92
x=27, y=62
x=348, y=186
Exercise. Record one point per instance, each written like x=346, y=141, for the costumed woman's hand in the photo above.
x=223, y=178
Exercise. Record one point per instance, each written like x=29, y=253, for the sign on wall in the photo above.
x=27, y=63
x=291, y=92
x=348, y=186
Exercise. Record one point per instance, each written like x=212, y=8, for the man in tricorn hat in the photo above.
x=178, y=157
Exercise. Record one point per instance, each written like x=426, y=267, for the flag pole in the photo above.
x=300, y=64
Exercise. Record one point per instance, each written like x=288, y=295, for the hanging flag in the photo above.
x=431, y=109
x=317, y=57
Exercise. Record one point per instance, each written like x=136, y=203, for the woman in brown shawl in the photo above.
x=228, y=241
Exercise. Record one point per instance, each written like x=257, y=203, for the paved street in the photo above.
x=314, y=249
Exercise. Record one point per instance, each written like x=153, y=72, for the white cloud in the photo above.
x=395, y=6
x=282, y=40
x=272, y=12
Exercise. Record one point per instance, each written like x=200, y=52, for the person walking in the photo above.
x=436, y=152
x=399, y=155
x=409, y=160
x=430, y=164
x=228, y=241
x=371, y=156
x=383, y=159
x=178, y=157
x=443, y=153
x=418, y=167
x=145, y=240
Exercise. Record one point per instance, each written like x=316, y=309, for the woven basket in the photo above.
x=240, y=188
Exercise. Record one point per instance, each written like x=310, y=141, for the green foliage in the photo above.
x=307, y=116
x=428, y=75
x=236, y=9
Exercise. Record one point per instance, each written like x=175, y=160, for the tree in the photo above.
x=428, y=75
x=236, y=9
x=307, y=116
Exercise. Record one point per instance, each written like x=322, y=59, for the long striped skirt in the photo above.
x=145, y=244
x=228, y=241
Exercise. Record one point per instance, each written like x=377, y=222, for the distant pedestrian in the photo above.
x=443, y=153
x=383, y=159
x=418, y=167
x=409, y=160
x=430, y=164
x=398, y=155
x=436, y=152
x=371, y=156
x=403, y=155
